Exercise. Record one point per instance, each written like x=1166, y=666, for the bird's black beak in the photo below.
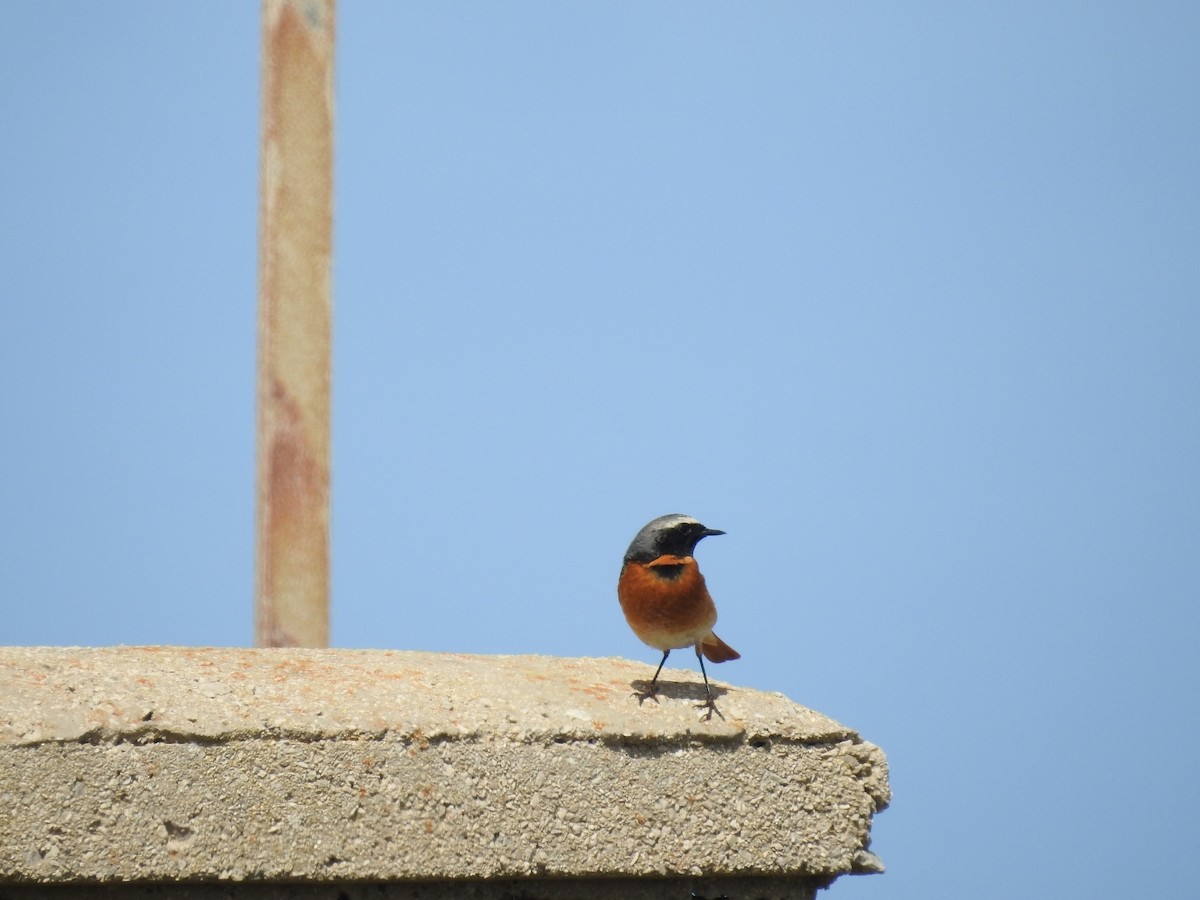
x=709, y=532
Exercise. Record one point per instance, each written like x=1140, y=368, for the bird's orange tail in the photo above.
x=716, y=650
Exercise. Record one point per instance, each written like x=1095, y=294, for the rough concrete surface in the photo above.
x=168, y=764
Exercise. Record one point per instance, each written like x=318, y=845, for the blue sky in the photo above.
x=904, y=297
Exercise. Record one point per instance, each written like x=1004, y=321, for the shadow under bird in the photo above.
x=665, y=599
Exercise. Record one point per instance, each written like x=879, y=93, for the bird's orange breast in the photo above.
x=666, y=601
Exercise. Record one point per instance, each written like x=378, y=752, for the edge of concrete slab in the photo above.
x=174, y=763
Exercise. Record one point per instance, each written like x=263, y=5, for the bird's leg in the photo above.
x=709, y=705
x=651, y=693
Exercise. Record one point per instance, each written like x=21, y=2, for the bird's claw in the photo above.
x=651, y=693
x=709, y=706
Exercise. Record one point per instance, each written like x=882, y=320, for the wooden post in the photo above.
x=295, y=311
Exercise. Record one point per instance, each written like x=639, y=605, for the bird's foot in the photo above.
x=709, y=706
x=650, y=693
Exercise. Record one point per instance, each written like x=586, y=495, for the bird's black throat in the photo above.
x=667, y=573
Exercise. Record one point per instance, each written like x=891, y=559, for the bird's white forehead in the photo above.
x=671, y=521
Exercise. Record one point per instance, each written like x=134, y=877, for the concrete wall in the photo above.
x=341, y=773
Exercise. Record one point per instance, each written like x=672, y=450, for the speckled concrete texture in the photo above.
x=166, y=764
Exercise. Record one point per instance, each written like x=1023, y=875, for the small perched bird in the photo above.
x=664, y=597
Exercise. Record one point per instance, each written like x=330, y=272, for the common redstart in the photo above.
x=664, y=597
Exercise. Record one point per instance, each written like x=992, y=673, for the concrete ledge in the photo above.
x=159, y=765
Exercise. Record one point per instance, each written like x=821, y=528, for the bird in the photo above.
x=665, y=600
